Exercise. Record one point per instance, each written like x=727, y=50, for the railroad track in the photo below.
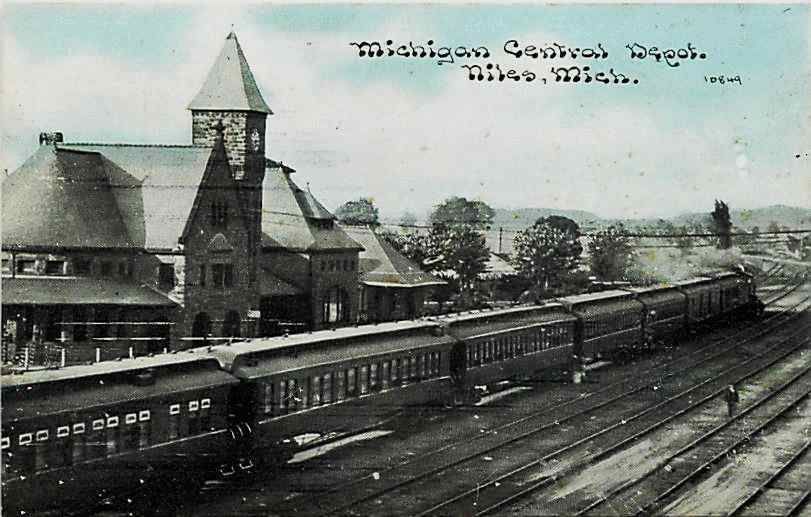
x=796, y=281
x=715, y=442
x=410, y=471
x=338, y=492
x=551, y=466
x=759, y=420
x=794, y=472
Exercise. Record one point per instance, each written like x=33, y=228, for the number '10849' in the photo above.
x=723, y=79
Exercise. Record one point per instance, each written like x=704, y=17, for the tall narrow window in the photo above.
x=326, y=388
x=222, y=275
x=219, y=214
x=335, y=306
x=202, y=281
x=166, y=277
x=228, y=277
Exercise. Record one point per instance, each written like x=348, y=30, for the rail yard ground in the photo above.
x=614, y=444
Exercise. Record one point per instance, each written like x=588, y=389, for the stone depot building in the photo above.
x=119, y=245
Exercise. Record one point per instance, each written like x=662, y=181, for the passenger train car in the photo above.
x=66, y=434
x=606, y=321
x=494, y=345
x=333, y=381
x=70, y=434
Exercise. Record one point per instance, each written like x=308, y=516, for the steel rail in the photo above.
x=774, y=320
x=778, y=474
x=547, y=480
x=800, y=504
x=701, y=439
x=646, y=509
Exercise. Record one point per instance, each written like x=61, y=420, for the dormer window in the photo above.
x=219, y=214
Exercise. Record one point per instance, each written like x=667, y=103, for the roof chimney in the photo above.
x=51, y=138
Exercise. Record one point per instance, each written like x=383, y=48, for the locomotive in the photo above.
x=72, y=435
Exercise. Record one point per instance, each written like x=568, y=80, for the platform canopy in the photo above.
x=43, y=290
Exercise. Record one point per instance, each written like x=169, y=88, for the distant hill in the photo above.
x=520, y=218
x=513, y=220
x=782, y=215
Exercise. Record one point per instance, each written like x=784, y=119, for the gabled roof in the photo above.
x=497, y=267
x=158, y=200
x=230, y=85
x=65, y=198
x=295, y=220
x=381, y=265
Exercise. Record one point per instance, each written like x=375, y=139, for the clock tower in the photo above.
x=230, y=102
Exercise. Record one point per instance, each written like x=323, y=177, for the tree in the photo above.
x=408, y=219
x=456, y=211
x=664, y=227
x=610, y=253
x=361, y=211
x=461, y=249
x=547, y=251
x=722, y=224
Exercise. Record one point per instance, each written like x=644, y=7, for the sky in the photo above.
x=409, y=132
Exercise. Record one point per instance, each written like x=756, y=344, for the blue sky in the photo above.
x=409, y=132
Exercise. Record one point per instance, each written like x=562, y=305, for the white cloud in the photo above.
x=510, y=145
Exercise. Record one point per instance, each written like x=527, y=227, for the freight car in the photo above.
x=70, y=434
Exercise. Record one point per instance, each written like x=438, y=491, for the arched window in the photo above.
x=201, y=326
x=230, y=325
x=335, y=306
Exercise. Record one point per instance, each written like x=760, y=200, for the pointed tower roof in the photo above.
x=230, y=85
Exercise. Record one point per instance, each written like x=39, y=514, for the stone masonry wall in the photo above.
x=239, y=126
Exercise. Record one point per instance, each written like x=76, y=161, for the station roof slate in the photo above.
x=155, y=187
x=381, y=265
x=294, y=219
x=53, y=290
x=64, y=198
x=230, y=84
